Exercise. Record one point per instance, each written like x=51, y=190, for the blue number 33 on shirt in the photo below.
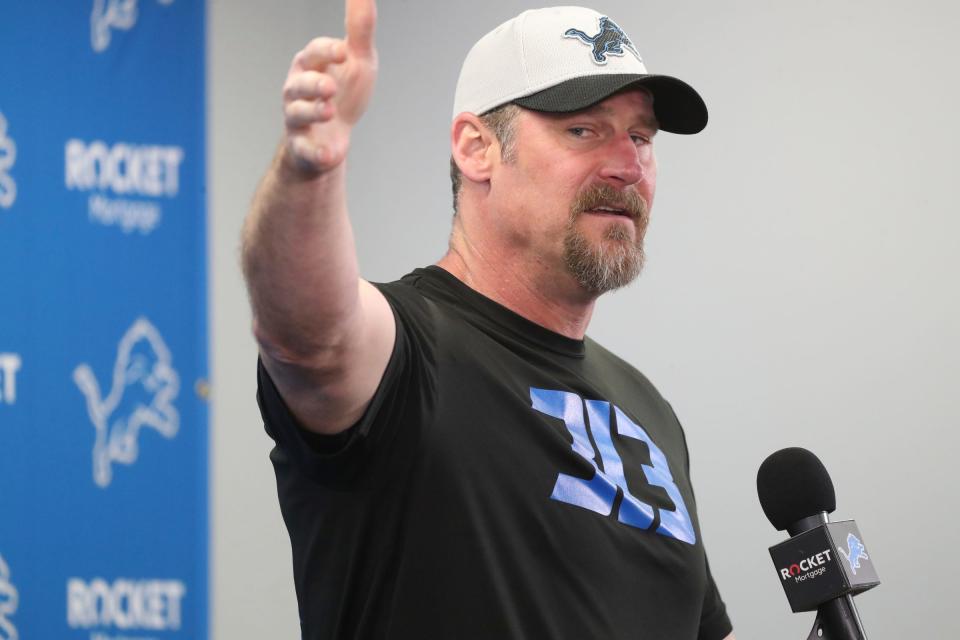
x=598, y=492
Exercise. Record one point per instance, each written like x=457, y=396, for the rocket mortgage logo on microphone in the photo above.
x=808, y=568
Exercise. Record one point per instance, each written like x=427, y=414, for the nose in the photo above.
x=623, y=163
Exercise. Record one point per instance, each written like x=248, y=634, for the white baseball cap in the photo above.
x=564, y=59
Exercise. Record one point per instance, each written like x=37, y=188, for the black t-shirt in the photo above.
x=505, y=482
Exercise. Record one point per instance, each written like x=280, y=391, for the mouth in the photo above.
x=610, y=211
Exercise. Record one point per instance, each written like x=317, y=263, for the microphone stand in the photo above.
x=836, y=619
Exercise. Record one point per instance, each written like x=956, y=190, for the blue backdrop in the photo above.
x=103, y=346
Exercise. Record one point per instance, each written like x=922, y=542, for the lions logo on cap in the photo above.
x=609, y=42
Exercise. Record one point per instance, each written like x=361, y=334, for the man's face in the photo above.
x=578, y=189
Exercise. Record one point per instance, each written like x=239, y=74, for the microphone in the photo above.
x=823, y=564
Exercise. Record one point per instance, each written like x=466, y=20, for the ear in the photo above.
x=474, y=147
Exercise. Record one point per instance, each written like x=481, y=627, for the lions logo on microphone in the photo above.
x=854, y=553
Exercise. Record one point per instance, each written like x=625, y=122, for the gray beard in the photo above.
x=614, y=262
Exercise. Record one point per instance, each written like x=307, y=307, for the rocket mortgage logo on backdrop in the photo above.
x=125, y=604
x=127, y=182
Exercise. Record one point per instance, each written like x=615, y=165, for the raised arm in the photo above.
x=325, y=335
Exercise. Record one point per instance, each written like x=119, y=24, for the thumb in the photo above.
x=361, y=24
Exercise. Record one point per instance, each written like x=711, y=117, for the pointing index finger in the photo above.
x=361, y=24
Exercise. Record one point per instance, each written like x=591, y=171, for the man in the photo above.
x=454, y=458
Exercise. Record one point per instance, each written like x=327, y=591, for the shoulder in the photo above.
x=600, y=356
x=425, y=306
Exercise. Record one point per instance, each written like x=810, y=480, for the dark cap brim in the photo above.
x=677, y=106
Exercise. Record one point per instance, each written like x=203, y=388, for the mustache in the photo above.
x=604, y=195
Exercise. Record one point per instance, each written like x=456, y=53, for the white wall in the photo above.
x=800, y=289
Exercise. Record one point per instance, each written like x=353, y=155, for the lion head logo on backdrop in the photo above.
x=144, y=387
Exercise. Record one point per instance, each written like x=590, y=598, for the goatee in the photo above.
x=617, y=259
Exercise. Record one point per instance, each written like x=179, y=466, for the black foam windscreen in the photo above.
x=793, y=484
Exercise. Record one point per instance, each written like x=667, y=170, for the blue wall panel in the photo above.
x=103, y=345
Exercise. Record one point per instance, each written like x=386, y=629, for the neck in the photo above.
x=526, y=286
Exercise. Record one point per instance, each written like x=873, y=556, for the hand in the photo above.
x=328, y=87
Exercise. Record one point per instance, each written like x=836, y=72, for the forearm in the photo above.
x=325, y=335
x=299, y=260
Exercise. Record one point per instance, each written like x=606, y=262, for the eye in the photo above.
x=579, y=132
x=640, y=140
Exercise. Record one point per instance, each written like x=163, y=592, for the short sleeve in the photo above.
x=714, y=622
x=400, y=403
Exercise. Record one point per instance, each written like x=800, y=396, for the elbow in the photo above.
x=300, y=349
